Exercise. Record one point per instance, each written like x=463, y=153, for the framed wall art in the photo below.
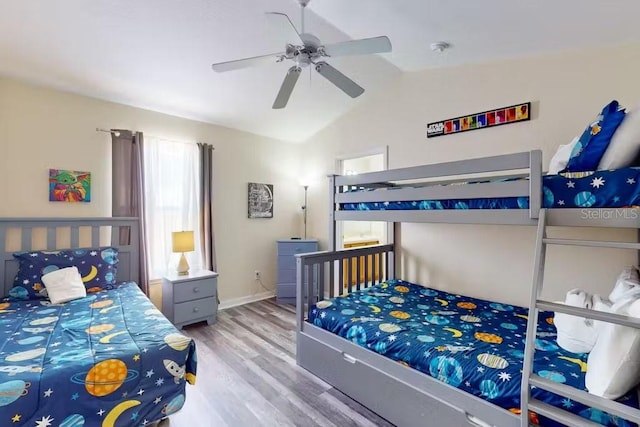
x=69, y=186
x=260, y=200
x=486, y=119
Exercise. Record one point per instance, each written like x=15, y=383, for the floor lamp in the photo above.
x=304, y=210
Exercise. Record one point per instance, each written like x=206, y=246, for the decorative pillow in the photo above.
x=64, y=285
x=613, y=366
x=593, y=143
x=576, y=334
x=625, y=143
x=628, y=280
x=97, y=267
x=560, y=159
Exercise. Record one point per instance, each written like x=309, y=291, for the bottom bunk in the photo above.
x=468, y=352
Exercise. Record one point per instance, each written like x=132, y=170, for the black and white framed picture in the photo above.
x=260, y=200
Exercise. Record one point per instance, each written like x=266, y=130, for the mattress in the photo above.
x=109, y=359
x=472, y=344
x=601, y=189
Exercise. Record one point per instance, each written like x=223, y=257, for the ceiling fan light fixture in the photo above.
x=308, y=51
x=440, y=46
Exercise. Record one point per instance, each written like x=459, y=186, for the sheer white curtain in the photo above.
x=172, y=191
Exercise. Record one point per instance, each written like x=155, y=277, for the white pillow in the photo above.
x=625, y=143
x=561, y=158
x=575, y=334
x=627, y=280
x=64, y=285
x=613, y=366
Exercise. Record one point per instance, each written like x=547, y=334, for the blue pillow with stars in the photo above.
x=593, y=142
x=97, y=266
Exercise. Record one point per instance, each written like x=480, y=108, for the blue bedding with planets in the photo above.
x=468, y=343
x=600, y=189
x=109, y=359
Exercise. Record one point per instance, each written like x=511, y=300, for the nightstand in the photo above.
x=190, y=298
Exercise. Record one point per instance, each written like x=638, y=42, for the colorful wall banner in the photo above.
x=486, y=119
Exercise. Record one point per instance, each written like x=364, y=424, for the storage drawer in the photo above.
x=194, y=289
x=367, y=385
x=286, y=276
x=286, y=290
x=286, y=262
x=187, y=311
x=294, y=247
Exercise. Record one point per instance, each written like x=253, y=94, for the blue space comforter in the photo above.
x=468, y=343
x=600, y=189
x=109, y=359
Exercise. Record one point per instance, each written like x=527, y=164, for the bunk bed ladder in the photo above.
x=535, y=305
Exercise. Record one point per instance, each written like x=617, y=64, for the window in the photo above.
x=172, y=201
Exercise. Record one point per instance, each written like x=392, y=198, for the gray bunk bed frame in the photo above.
x=419, y=399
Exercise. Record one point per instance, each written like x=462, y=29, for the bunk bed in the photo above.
x=352, y=335
x=110, y=358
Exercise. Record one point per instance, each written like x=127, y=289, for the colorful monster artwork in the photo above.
x=69, y=186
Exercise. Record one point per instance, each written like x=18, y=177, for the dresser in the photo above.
x=287, y=250
x=190, y=298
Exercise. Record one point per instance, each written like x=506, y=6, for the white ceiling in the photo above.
x=157, y=54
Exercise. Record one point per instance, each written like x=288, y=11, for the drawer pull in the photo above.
x=196, y=309
x=348, y=358
x=196, y=290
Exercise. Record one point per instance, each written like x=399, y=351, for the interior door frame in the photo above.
x=384, y=150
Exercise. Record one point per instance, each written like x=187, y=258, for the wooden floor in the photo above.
x=247, y=376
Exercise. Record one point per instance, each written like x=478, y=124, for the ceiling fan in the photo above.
x=307, y=50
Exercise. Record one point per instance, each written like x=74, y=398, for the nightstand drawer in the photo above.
x=192, y=290
x=187, y=311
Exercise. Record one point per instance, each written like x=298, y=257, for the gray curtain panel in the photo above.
x=206, y=213
x=128, y=190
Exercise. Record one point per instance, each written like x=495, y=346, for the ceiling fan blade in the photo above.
x=247, y=62
x=283, y=20
x=359, y=47
x=343, y=82
x=287, y=87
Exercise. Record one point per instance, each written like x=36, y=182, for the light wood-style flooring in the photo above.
x=247, y=376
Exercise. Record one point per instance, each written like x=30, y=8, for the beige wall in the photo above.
x=42, y=129
x=567, y=90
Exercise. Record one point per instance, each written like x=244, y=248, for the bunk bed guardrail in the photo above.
x=440, y=188
x=329, y=274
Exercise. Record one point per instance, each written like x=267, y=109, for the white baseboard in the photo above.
x=234, y=302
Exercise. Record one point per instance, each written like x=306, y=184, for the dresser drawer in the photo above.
x=293, y=247
x=194, y=289
x=286, y=262
x=286, y=276
x=286, y=290
x=187, y=311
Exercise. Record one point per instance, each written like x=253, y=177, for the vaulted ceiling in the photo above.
x=157, y=54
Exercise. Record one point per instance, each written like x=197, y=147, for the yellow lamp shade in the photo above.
x=182, y=241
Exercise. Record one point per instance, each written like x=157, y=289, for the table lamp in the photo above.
x=182, y=241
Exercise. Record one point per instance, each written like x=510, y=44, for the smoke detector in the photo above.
x=439, y=46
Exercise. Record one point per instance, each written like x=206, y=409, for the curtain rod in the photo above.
x=116, y=133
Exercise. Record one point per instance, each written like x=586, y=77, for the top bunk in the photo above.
x=506, y=189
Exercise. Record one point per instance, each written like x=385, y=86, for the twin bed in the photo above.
x=419, y=356
x=109, y=359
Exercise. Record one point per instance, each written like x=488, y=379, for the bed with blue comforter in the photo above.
x=600, y=189
x=468, y=343
x=109, y=359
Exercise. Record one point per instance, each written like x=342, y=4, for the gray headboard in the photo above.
x=25, y=234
